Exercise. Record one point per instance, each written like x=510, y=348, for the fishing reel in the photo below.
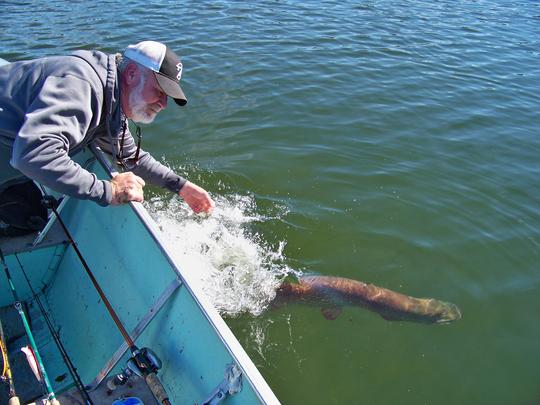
x=142, y=363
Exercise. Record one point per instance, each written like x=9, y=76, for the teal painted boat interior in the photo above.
x=133, y=269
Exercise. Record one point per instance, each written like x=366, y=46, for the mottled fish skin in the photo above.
x=333, y=293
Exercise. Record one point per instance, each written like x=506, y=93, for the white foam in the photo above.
x=237, y=270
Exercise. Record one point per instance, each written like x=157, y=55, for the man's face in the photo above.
x=146, y=99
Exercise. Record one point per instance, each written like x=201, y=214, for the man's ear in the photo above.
x=130, y=74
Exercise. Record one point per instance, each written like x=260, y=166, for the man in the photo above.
x=51, y=108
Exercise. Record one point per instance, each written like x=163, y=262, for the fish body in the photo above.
x=334, y=293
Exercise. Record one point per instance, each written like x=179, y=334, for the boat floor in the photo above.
x=133, y=388
x=101, y=396
x=14, y=244
x=29, y=390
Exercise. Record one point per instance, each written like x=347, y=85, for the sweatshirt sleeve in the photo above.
x=57, y=120
x=146, y=166
x=156, y=173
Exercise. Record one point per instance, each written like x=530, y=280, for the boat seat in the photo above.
x=25, y=243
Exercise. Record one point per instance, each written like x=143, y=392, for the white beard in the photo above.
x=139, y=109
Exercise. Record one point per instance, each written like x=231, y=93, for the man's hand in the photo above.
x=127, y=187
x=197, y=198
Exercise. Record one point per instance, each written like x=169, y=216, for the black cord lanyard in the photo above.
x=138, y=134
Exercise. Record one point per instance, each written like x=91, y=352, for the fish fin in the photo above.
x=331, y=313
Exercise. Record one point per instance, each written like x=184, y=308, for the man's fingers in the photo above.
x=204, y=205
x=197, y=198
x=140, y=181
x=127, y=187
x=135, y=195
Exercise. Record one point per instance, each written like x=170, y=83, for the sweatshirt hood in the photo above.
x=106, y=68
x=99, y=61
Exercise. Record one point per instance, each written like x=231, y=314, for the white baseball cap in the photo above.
x=165, y=64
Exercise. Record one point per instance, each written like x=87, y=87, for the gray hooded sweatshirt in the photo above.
x=51, y=108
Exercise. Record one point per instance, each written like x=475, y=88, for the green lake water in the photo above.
x=393, y=142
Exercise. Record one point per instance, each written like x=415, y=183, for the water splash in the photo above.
x=233, y=265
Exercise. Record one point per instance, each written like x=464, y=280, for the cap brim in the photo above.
x=171, y=88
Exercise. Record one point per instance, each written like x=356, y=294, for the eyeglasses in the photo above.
x=120, y=155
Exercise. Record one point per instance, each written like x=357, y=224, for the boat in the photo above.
x=198, y=359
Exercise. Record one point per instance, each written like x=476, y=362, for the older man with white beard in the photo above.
x=50, y=108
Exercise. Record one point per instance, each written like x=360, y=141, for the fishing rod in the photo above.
x=18, y=306
x=56, y=337
x=6, y=370
x=143, y=362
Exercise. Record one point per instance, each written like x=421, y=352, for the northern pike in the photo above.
x=333, y=293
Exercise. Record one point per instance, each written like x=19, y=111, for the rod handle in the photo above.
x=14, y=401
x=55, y=402
x=157, y=388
